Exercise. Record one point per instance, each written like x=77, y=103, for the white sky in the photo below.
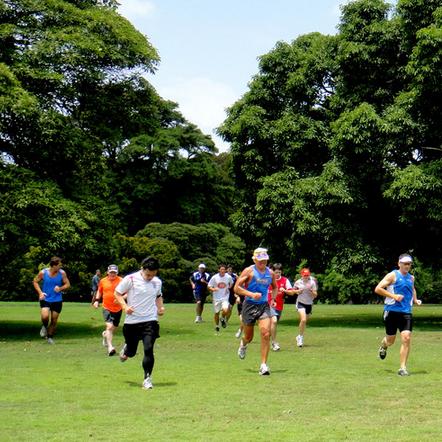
x=209, y=48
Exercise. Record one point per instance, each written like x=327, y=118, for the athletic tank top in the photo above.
x=259, y=283
x=402, y=286
x=49, y=284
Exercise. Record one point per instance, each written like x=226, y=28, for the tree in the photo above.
x=336, y=145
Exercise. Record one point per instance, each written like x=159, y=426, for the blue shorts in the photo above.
x=200, y=297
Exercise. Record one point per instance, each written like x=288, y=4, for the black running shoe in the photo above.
x=382, y=352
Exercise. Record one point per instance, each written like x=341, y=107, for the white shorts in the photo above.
x=222, y=304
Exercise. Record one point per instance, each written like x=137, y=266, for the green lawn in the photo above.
x=335, y=388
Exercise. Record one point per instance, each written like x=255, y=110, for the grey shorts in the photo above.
x=255, y=312
x=113, y=317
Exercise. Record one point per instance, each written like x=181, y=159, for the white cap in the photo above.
x=405, y=259
x=202, y=266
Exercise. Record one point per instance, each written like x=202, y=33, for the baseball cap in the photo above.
x=260, y=254
x=405, y=259
x=112, y=268
x=202, y=266
x=305, y=272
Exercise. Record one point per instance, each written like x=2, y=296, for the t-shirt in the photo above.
x=305, y=297
x=282, y=283
x=106, y=289
x=141, y=296
x=223, y=284
x=200, y=287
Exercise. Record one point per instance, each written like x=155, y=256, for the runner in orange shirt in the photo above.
x=111, y=308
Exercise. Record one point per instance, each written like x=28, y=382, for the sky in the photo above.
x=209, y=49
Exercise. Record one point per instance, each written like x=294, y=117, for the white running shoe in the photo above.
x=299, y=340
x=147, y=384
x=238, y=334
x=104, y=339
x=264, y=370
x=123, y=356
x=43, y=332
x=50, y=341
x=198, y=319
x=276, y=346
x=242, y=351
x=403, y=372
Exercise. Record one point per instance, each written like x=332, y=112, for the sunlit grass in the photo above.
x=335, y=388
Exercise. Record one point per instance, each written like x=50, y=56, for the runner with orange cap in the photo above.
x=307, y=290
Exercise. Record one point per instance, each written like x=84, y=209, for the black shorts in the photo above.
x=239, y=305
x=308, y=307
x=113, y=317
x=255, y=312
x=134, y=333
x=395, y=321
x=232, y=299
x=52, y=306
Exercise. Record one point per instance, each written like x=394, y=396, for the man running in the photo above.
x=253, y=284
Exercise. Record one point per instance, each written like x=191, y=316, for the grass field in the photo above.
x=333, y=389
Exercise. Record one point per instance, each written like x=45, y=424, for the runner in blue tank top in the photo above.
x=253, y=284
x=50, y=294
x=398, y=289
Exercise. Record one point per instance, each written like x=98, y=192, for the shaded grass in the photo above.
x=334, y=388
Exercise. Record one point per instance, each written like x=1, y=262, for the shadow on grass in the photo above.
x=155, y=384
x=421, y=321
x=30, y=330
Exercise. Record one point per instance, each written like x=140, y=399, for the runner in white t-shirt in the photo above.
x=307, y=289
x=143, y=305
x=219, y=285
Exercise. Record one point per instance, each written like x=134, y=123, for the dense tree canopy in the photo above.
x=89, y=150
x=337, y=147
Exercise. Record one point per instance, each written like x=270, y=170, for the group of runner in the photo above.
x=258, y=291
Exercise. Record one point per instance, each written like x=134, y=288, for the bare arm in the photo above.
x=66, y=283
x=120, y=298
x=388, y=280
x=37, y=287
x=244, y=279
x=160, y=305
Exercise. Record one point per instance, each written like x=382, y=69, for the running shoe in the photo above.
x=112, y=352
x=382, y=352
x=238, y=334
x=123, y=356
x=198, y=319
x=264, y=370
x=216, y=329
x=223, y=323
x=403, y=372
x=43, y=332
x=299, y=340
x=147, y=384
x=50, y=341
x=276, y=346
x=242, y=351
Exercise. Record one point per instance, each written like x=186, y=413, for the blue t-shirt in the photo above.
x=200, y=287
x=402, y=286
x=259, y=283
x=49, y=284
